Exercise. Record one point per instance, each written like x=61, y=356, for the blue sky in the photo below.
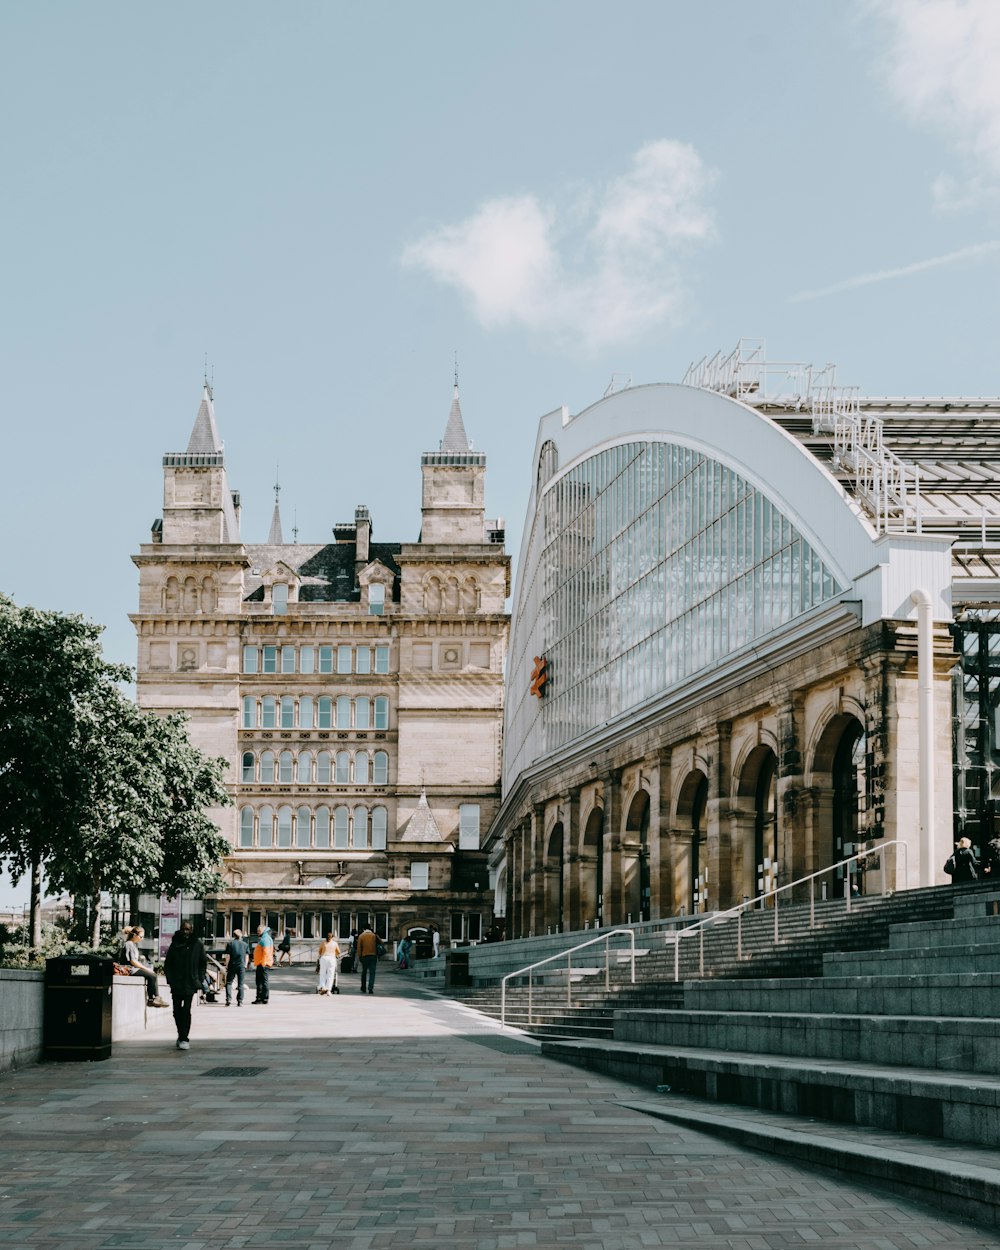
x=331, y=200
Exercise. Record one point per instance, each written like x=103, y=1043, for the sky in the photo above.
x=326, y=204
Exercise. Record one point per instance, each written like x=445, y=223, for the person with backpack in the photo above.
x=263, y=960
x=962, y=864
x=185, y=967
x=237, y=953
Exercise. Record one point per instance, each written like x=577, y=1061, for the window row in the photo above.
x=345, y=828
x=343, y=768
x=289, y=711
x=305, y=924
x=316, y=659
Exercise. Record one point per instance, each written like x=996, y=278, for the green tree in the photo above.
x=144, y=827
x=51, y=668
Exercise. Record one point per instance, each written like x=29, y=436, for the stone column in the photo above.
x=722, y=845
x=653, y=767
x=790, y=809
x=535, y=893
x=613, y=909
x=570, y=813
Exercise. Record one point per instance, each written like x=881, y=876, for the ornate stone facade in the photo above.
x=354, y=687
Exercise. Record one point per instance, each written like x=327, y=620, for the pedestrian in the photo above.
x=352, y=952
x=435, y=940
x=991, y=859
x=405, y=946
x=329, y=959
x=962, y=864
x=185, y=968
x=132, y=959
x=237, y=954
x=368, y=948
x=263, y=959
x=285, y=948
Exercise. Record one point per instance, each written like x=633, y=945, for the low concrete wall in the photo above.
x=22, y=1008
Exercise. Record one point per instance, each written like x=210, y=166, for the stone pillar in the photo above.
x=570, y=813
x=790, y=809
x=722, y=847
x=535, y=892
x=613, y=909
x=657, y=769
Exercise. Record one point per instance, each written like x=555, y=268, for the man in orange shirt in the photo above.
x=367, y=947
x=263, y=958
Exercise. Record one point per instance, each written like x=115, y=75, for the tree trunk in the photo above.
x=35, y=921
x=95, y=917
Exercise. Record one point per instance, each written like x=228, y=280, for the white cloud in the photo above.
x=943, y=67
x=976, y=251
x=603, y=267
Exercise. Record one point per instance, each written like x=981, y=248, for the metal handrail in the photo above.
x=751, y=904
x=568, y=956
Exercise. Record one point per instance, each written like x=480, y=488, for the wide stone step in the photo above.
x=946, y=1043
x=928, y=934
x=957, y=1105
x=957, y=958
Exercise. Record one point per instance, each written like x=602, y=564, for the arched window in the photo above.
x=380, y=771
x=286, y=766
x=343, y=712
x=171, y=595
x=287, y=712
x=381, y=712
x=343, y=777
x=247, y=770
x=284, y=825
x=305, y=768
x=267, y=768
x=361, y=769
x=249, y=712
x=306, y=712
x=209, y=595
x=325, y=717
x=323, y=768
x=265, y=827
x=341, y=823
x=359, y=839
x=190, y=595
x=303, y=831
x=379, y=826
x=362, y=712
x=269, y=712
x=322, y=826
x=246, y=826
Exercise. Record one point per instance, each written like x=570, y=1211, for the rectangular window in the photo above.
x=288, y=659
x=270, y=711
x=250, y=659
x=343, y=924
x=457, y=926
x=325, y=712
x=307, y=659
x=382, y=658
x=326, y=659
x=270, y=660
x=381, y=712
x=382, y=925
x=376, y=600
x=287, y=712
x=279, y=598
x=249, y=712
x=344, y=659
x=468, y=827
x=343, y=712
x=475, y=927
x=362, y=712
x=363, y=660
x=419, y=876
x=306, y=712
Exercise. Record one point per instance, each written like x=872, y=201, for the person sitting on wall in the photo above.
x=133, y=960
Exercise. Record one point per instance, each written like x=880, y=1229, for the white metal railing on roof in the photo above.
x=773, y=897
x=888, y=489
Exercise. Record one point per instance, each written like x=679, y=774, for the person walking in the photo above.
x=352, y=952
x=435, y=940
x=367, y=947
x=184, y=967
x=962, y=864
x=284, y=948
x=263, y=959
x=991, y=859
x=405, y=946
x=237, y=954
x=329, y=960
x=132, y=959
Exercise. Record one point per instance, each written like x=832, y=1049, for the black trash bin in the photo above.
x=77, y=1018
x=456, y=968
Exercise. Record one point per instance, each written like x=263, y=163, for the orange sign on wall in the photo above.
x=540, y=676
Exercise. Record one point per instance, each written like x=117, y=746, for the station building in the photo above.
x=354, y=687
x=755, y=632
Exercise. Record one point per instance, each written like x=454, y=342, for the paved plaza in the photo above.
x=400, y=1120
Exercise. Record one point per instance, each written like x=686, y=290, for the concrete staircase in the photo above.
x=900, y=1042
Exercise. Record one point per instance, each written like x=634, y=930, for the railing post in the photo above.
x=607, y=963
x=503, y=1003
x=812, y=902
x=739, y=934
x=531, y=982
x=776, y=915
x=701, y=950
x=847, y=885
x=677, y=955
x=569, y=978
x=632, y=935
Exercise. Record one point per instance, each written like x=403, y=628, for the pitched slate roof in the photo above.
x=455, y=438
x=205, y=435
x=421, y=827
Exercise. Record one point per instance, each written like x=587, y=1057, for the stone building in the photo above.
x=755, y=631
x=354, y=686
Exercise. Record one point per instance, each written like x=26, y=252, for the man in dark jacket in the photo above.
x=184, y=967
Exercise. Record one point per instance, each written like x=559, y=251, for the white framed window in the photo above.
x=341, y=827
x=246, y=826
x=284, y=826
x=363, y=659
x=306, y=712
x=265, y=827
x=304, y=767
x=359, y=834
x=286, y=767
x=267, y=768
x=380, y=769
x=343, y=777
x=379, y=827
x=322, y=826
x=288, y=659
x=326, y=659
x=382, y=657
x=362, y=712
x=376, y=599
x=249, y=712
x=303, y=829
x=343, y=712
x=248, y=767
x=419, y=876
x=269, y=712
x=323, y=768
x=251, y=658
x=344, y=659
x=468, y=826
x=270, y=660
x=287, y=712
x=279, y=598
x=307, y=659
x=361, y=768
x=381, y=711
x=325, y=720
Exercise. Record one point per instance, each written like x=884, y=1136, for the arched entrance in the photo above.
x=635, y=859
x=592, y=869
x=692, y=876
x=552, y=869
x=758, y=802
x=840, y=781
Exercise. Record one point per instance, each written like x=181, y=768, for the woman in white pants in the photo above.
x=329, y=958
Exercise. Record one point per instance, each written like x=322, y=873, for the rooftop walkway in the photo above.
x=401, y=1120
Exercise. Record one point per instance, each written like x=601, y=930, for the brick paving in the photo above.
x=398, y=1120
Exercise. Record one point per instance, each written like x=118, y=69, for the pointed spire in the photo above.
x=455, y=438
x=274, y=538
x=205, y=435
x=422, y=827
